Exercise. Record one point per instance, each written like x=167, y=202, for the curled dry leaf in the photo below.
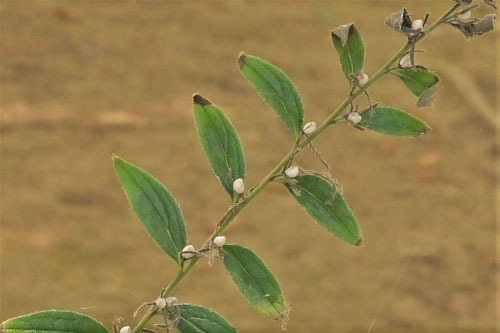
x=427, y=98
x=343, y=32
x=486, y=24
x=475, y=28
x=401, y=22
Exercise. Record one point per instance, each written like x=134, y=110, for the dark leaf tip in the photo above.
x=200, y=100
x=343, y=32
x=241, y=59
x=360, y=242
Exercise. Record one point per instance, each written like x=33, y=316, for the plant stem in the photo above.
x=244, y=201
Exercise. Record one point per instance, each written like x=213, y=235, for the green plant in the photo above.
x=316, y=192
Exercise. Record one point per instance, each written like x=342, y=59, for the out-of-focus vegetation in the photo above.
x=83, y=80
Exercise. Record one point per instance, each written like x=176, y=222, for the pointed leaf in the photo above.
x=418, y=80
x=221, y=143
x=53, y=321
x=276, y=89
x=318, y=196
x=350, y=49
x=154, y=205
x=392, y=121
x=254, y=280
x=198, y=319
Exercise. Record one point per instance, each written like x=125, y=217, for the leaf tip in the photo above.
x=116, y=159
x=359, y=242
x=426, y=130
x=241, y=59
x=200, y=100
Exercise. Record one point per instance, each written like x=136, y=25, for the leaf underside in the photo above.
x=199, y=319
x=276, y=88
x=392, y=121
x=318, y=196
x=421, y=82
x=221, y=143
x=155, y=207
x=53, y=321
x=254, y=280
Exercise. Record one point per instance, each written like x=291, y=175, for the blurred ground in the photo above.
x=82, y=80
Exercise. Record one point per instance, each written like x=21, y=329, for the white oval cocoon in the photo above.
x=309, y=128
x=292, y=172
x=354, y=117
x=417, y=24
x=171, y=301
x=464, y=16
x=126, y=329
x=186, y=252
x=219, y=241
x=161, y=303
x=239, y=186
x=363, y=79
x=405, y=61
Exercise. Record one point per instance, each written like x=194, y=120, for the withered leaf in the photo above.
x=343, y=32
x=486, y=24
x=466, y=28
x=475, y=28
x=427, y=98
x=401, y=22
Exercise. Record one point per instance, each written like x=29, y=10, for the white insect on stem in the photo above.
x=126, y=329
x=219, y=241
x=171, y=301
x=464, y=16
x=417, y=25
x=161, y=303
x=188, y=252
x=354, y=117
x=292, y=171
x=239, y=186
x=362, y=79
x=309, y=128
x=405, y=61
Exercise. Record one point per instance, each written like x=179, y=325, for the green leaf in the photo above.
x=221, y=143
x=318, y=196
x=418, y=80
x=198, y=319
x=350, y=49
x=276, y=89
x=53, y=321
x=254, y=280
x=155, y=206
x=392, y=121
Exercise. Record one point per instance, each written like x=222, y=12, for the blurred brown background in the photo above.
x=82, y=80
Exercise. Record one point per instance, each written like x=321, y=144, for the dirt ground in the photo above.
x=81, y=80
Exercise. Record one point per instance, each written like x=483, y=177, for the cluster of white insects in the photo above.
x=166, y=306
